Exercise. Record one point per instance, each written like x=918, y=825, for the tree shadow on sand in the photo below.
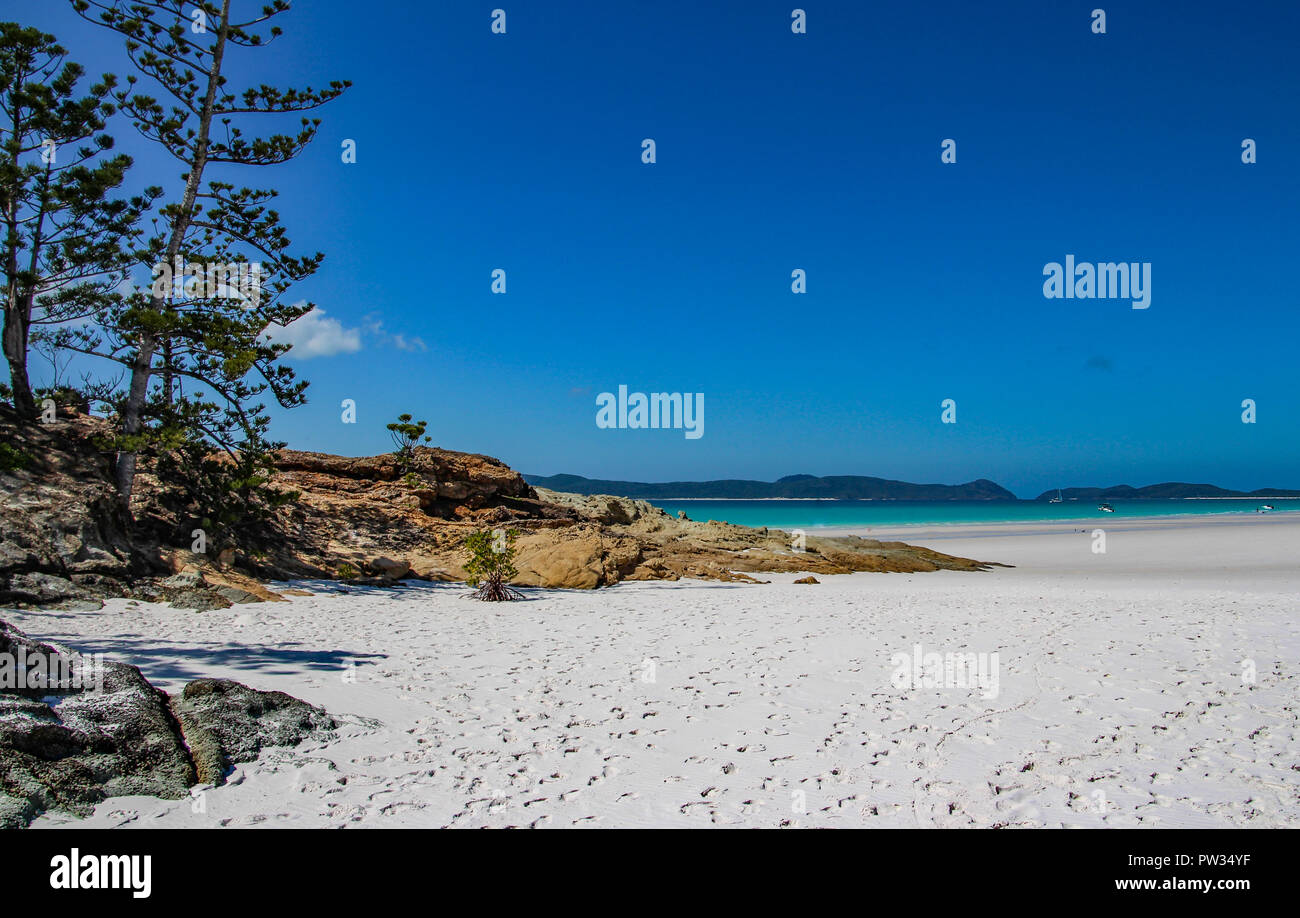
x=160, y=660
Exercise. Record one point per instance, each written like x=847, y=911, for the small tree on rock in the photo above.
x=406, y=435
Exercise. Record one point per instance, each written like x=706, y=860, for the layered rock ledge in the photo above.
x=362, y=515
x=66, y=541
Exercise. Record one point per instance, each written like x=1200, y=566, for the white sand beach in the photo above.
x=1120, y=694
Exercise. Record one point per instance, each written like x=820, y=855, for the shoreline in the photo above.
x=904, y=531
x=955, y=500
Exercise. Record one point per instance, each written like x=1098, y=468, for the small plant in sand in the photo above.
x=347, y=572
x=491, y=564
x=407, y=434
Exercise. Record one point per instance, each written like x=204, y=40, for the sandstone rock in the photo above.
x=198, y=600
x=566, y=540
x=678, y=547
x=809, y=579
x=392, y=570
x=462, y=472
x=64, y=536
x=185, y=580
x=188, y=589
x=350, y=510
x=240, y=596
x=582, y=558
x=196, y=572
x=573, y=563
x=455, y=490
x=239, y=588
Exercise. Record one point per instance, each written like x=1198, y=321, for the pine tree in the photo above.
x=406, y=434
x=209, y=332
x=66, y=242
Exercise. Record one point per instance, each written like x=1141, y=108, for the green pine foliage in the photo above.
x=12, y=459
x=66, y=242
x=206, y=335
x=406, y=434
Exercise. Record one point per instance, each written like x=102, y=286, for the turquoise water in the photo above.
x=805, y=514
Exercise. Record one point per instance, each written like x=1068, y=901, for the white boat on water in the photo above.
x=1105, y=508
x=1057, y=498
x=1264, y=508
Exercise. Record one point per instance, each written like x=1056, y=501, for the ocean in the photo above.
x=807, y=514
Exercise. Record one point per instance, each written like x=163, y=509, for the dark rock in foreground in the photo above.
x=70, y=747
x=226, y=723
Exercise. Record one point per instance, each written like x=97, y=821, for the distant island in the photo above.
x=791, y=487
x=861, y=487
x=1169, y=490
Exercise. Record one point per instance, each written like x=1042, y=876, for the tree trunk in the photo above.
x=168, y=378
x=133, y=414
x=142, y=368
x=15, y=328
x=18, y=317
x=15, y=349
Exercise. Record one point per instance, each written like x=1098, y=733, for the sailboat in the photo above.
x=1105, y=508
x=1057, y=499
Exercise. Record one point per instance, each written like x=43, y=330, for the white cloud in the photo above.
x=375, y=327
x=314, y=335
x=402, y=343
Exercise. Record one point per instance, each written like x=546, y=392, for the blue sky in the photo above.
x=778, y=151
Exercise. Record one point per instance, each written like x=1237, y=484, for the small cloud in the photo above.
x=1097, y=362
x=315, y=335
x=376, y=328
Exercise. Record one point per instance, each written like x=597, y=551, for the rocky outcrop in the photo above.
x=348, y=528
x=360, y=516
x=638, y=541
x=439, y=482
x=65, y=538
x=356, y=516
x=68, y=746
